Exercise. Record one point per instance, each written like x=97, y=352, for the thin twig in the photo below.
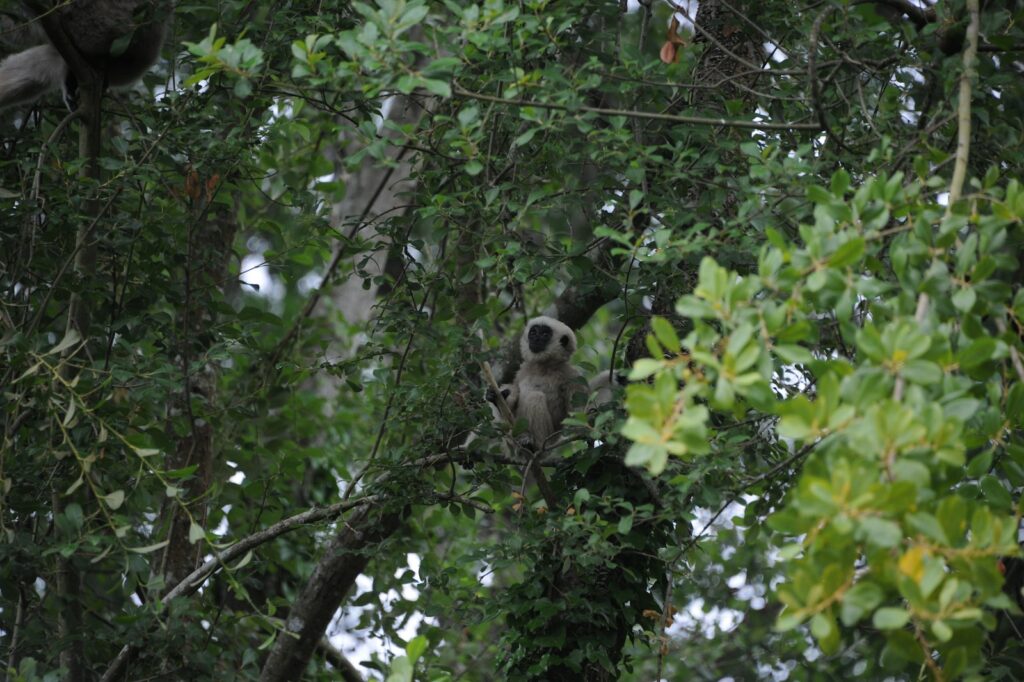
x=46, y=147
x=670, y=118
x=19, y=621
x=802, y=452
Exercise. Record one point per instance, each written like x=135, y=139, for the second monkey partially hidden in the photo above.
x=121, y=39
x=542, y=392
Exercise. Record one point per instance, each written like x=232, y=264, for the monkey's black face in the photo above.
x=538, y=337
x=547, y=340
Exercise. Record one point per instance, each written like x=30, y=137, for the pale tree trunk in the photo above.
x=373, y=193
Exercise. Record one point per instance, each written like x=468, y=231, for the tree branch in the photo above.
x=963, y=148
x=195, y=579
x=348, y=671
x=629, y=113
x=919, y=15
x=963, y=143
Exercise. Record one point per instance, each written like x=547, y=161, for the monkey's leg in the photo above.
x=533, y=406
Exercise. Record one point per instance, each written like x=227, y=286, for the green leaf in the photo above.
x=942, y=631
x=890, y=618
x=149, y=548
x=73, y=513
x=416, y=647
x=922, y=372
x=860, y=600
x=75, y=485
x=977, y=353
x=525, y=137
x=963, y=300
x=244, y=561
x=881, y=532
x=436, y=87
x=70, y=338
x=840, y=183
x=819, y=194
x=929, y=526
x=115, y=499
x=644, y=367
x=793, y=354
x=996, y=493
x=401, y=670
x=787, y=621
x=665, y=334
x=695, y=308
x=824, y=629
x=847, y=254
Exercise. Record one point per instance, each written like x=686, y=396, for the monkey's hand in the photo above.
x=508, y=394
x=492, y=397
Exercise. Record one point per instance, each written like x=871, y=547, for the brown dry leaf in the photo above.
x=192, y=184
x=211, y=185
x=668, y=52
x=673, y=33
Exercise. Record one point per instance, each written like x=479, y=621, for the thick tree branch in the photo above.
x=343, y=561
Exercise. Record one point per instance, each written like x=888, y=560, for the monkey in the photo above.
x=543, y=389
x=98, y=30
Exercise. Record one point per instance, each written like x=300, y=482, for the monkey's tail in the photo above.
x=29, y=74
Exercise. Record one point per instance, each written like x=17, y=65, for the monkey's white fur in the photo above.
x=93, y=27
x=543, y=389
x=603, y=388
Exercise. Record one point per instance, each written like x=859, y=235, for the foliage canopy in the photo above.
x=244, y=347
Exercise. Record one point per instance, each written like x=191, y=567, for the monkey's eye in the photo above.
x=565, y=341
